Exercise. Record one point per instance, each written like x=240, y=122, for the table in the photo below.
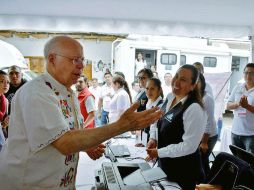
x=86, y=169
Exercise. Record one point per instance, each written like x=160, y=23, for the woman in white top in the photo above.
x=210, y=136
x=180, y=130
x=140, y=63
x=121, y=100
x=154, y=94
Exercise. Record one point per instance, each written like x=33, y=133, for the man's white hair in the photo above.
x=52, y=45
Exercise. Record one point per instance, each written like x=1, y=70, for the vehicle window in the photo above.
x=168, y=59
x=210, y=61
x=182, y=60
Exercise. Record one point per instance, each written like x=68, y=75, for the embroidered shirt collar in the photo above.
x=55, y=84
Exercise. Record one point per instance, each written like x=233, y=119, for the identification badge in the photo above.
x=241, y=112
x=144, y=138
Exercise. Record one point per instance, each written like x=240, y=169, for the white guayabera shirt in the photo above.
x=42, y=111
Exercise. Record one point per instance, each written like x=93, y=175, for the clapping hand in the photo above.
x=244, y=102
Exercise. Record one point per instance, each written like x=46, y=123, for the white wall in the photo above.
x=93, y=50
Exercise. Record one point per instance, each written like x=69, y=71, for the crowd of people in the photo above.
x=47, y=120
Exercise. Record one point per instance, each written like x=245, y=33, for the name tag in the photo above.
x=241, y=112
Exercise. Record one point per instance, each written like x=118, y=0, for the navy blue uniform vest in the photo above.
x=143, y=101
x=185, y=170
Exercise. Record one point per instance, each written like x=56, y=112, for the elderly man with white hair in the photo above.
x=46, y=132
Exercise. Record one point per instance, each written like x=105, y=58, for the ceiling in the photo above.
x=203, y=18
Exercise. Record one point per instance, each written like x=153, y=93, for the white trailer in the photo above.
x=167, y=54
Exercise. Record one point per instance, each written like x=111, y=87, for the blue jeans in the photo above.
x=243, y=142
x=97, y=120
x=205, y=156
x=104, y=117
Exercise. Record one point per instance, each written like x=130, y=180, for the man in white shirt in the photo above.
x=44, y=136
x=166, y=87
x=107, y=92
x=208, y=88
x=134, y=90
x=140, y=63
x=95, y=89
x=241, y=101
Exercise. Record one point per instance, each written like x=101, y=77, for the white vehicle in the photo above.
x=167, y=54
x=223, y=60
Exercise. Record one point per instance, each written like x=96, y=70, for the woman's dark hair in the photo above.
x=141, y=54
x=157, y=83
x=120, y=73
x=120, y=80
x=146, y=71
x=195, y=93
x=202, y=84
x=108, y=73
x=2, y=72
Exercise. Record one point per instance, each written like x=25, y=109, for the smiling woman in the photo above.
x=180, y=130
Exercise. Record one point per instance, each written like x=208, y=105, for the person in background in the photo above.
x=86, y=102
x=166, y=87
x=46, y=124
x=180, y=130
x=120, y=74
x=210, y=136
x=140, y=63
x=4, y=118
x=134, y=90
x=89, y=83
x=155, y=96
x=155, y=74
x=200, y=68
x=143, y=77
x=121, y=100
x=241, y=101
x=107, y=92
x=99, y=70
x=16, y=81
x=153, y=68
x=95, y=89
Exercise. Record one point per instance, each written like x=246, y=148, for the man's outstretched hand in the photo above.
x=97, y=152
x=132, y=120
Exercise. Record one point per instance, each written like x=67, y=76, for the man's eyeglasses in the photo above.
x=248, y=73
x=75, y=60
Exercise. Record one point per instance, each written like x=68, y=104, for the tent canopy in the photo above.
x=202, y=18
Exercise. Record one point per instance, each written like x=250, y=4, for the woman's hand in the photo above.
x=152, y=154
x=152, y=143
x=203, y=147
x=208, y=187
